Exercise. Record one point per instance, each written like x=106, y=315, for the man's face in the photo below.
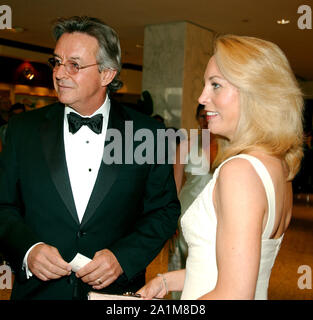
x=84, y=91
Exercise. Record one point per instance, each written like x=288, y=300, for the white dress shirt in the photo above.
x=83, y=154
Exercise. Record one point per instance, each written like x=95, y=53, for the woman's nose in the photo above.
x=204, y=97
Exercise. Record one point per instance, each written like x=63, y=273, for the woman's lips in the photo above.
x=211, y=114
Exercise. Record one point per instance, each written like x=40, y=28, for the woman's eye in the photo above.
x=215, y=85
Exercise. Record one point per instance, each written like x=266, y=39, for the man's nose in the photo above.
x=60, y=72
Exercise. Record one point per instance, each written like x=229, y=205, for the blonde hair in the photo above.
x=271, y=102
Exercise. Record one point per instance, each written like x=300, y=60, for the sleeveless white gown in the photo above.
x=197, y=177
x=199, y=230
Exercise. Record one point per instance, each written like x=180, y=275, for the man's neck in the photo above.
x=88, y=110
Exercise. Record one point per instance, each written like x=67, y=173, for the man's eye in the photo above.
x=74, y=65
x=57, y=62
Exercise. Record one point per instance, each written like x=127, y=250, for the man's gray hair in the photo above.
x=109, y=54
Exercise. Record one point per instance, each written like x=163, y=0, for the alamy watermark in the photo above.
x=5, y=277
x=5, y=17
x=144, y=146
x=305, y=20
x=305, y=281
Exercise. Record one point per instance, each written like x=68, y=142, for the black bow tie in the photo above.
x=75, y=122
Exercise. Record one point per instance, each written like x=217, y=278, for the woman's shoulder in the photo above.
x=238, y=168
x=252, y=160
x=253, y=170
x=240, y=189
x=247, y=171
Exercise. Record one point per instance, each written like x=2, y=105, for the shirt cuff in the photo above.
x=25, y=265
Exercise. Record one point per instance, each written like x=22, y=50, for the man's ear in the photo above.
x=107, y=75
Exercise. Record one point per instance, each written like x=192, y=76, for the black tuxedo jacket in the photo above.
x=132, y=211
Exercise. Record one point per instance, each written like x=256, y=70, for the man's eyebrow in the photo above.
x=71, y=58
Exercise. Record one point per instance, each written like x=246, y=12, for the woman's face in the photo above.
x=221, y=101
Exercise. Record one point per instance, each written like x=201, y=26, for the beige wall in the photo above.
x=198, y=50
x=163, y=68
x=175, y=57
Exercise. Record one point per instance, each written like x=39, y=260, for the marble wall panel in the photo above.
x=175, y=57
x=198, y=50
x=163, y=69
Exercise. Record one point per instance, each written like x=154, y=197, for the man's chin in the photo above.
x=64, y=100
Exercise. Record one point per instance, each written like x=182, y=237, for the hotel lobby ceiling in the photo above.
x=129, y=17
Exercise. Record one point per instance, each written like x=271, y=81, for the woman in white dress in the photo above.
x=191, y=176
x=235, y=227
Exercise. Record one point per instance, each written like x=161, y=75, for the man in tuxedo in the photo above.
x=58, y=194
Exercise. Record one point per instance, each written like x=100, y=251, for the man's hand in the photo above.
x=101, y=271
x=46, y=263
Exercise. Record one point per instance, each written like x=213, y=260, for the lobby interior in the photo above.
x=29, y=44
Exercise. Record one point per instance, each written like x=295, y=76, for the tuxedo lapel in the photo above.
x=108, y=172
x=53, y=147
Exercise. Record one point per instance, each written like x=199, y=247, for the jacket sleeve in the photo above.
x=15, y=236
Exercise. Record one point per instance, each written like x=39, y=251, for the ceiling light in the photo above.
x=283, y=21
x=28, y=73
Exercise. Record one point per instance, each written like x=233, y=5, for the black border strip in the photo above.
x=25, y=46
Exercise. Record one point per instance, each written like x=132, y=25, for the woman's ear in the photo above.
x=107, y=76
